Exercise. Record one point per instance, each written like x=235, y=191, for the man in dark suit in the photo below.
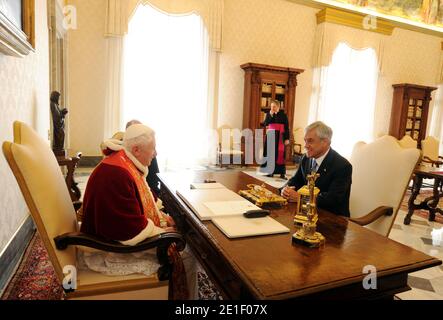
x=335, y=171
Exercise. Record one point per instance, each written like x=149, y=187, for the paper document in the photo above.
x=222, y=202
x=215, y=185
x=239, y=226
x=220, y=208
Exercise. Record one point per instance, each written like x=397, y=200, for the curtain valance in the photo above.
x=119, y=13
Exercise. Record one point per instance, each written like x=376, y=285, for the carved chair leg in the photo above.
x=415, y=191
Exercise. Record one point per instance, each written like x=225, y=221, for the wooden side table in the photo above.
x=71, y=164
x=430, y=203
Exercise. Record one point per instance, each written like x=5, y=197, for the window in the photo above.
x=166, y=84
x=347, y=95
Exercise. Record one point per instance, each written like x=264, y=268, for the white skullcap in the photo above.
x=137, y=130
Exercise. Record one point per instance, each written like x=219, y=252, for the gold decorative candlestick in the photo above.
x=307, y=234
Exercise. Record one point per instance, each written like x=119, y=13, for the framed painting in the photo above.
x=17, y=27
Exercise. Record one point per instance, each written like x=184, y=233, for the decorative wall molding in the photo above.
x=16, y=42
x=397, y=22
x=355, y=20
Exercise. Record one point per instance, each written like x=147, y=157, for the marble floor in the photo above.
x=426, y=284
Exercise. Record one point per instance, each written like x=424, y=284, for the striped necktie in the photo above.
x=314, y=166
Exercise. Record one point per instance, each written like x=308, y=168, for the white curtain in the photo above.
x=114, y=73
x=435, y=129
x=166, y=84
x=329, y=35
x=344, y=96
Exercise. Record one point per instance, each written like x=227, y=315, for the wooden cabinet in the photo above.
x=409, y=114
x=263, y=83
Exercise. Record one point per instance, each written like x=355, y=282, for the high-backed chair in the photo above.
x=44, y=190
x=228, y=149
x=430, y=148
x=407, y=142
x=381, y=171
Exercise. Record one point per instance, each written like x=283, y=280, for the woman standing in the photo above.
x=277, y=126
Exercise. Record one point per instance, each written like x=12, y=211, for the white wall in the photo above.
x=87, y=77
x=24, y=96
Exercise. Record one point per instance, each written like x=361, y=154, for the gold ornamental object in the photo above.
x=306, y=234
x=261, y=196
x=301, y=214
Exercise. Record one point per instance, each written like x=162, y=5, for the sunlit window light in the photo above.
x=165, y=83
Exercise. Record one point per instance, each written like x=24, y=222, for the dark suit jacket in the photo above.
x=334, y=182
x=152, y=178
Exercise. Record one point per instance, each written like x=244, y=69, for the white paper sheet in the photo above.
x=239, y=226
x=221, y=208
x=215, y=185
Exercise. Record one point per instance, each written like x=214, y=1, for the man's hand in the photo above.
x=286, y=142
x=290, y=194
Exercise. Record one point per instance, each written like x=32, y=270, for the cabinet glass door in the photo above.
x=414, y=118
x=280, y=94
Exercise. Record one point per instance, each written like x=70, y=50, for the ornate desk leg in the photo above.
x=411, y=205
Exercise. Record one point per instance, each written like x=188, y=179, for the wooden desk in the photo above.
x=271, y=267
x=430, y=203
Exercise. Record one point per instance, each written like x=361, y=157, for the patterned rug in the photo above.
x=35, y=278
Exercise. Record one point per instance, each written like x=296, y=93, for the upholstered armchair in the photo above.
x=44, y=190
x=407, y=142
x=430, y=148
x=229, y=149
x=381, y=171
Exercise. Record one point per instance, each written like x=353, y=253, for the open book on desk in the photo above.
x=211, y=203
x=225, y=208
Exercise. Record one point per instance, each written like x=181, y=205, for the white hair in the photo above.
x=130, y=123
x=146, y=136
x=323, y=131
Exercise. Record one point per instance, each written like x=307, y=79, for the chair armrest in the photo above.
x=86, y=240
x=162, y=242
x=373, y=215
x=432, y=162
